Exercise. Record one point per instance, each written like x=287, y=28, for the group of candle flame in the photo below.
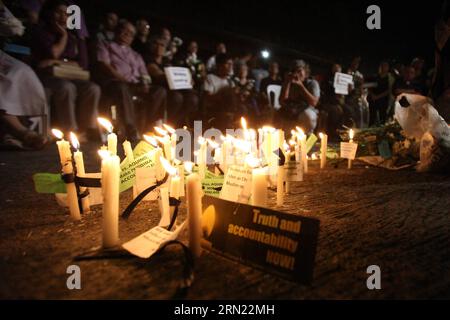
x=163, y=135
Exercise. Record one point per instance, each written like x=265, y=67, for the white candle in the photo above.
x=302, y=138
x=194, y=205
x=128, y=151
x=110, y=190
x=112, y=137
x=350, y=134
x=65, y=156
x=201, y=157
x=323, y=149
x=79, y=163
x=259, y=187
x=288, y=183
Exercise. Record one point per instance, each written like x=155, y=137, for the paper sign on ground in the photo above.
x=237, y=184
x=348, y=150
x=294, y=171
x=178, y=78
x=146, y=244
x=312, y=139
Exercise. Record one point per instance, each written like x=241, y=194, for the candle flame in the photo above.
x=160, y=131
x=169, y=128
x=292, y=142
x=167, y=166
x=105, y=123
x=243, y=123
x=286, y=146
x=320, y=135
x=201, y=140
x=252, y=161
x=74, y=140
x=151, y=140
x=314, y=156
x=268, y=129
x=351, y=134
x=213, y=144
x=188, y=166
x=58, y=134
x=242, y=145
x=104, y=154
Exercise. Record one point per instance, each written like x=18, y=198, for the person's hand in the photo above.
x=144, y=88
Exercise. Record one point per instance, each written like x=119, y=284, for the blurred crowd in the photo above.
x=126, y=61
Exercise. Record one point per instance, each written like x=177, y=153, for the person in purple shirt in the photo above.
x=75, y=102
x=123, y=75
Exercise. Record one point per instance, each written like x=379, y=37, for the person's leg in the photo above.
x=88, y=99
x=64, y=95
x=156, y=106
x=15, y=127
x=191, y=103
x=308, y=119
x=175, y=110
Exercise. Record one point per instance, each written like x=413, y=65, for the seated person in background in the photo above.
x=332, y=104
x=181, y=104
x=140, y=43
x=192, y=61
x=245, y=90
x=299, y=98
x=406, y=84
x=74, y=102
x=122, y=74
x=107, y=27
x=211, y=64
x=219, y=95
x=21, y=92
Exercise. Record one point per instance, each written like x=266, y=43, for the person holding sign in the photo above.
x=299, y=98
x=181, y=103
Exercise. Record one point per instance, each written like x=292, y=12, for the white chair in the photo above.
x=276, y=91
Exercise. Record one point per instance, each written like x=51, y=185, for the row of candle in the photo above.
x=248, y=152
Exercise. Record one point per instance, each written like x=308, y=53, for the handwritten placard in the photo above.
x=348, y=150
x=341, y=83
x=294, y=171
x=178, y=78
x=212, y=186
x=278, y=242
x=237, y=184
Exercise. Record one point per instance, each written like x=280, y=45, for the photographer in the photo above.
x=299, y=98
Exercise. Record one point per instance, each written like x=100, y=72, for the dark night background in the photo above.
x=328, y=30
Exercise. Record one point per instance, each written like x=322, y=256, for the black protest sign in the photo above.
x=280, y=243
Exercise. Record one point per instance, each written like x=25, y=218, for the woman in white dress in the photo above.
x=21, y=93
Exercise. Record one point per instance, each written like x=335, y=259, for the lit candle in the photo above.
x=350, y=134
x=173, y=140
x=201, y=157
x=110, y=190
x=280, y=184
x=112, y=137
x=288, y=158
x=259, y=182
x=79, y=163
x=65, y=156
x=304, y=155
x=194, y=207
x=323, y=149
x=128, y=151
x=156, y=156
x=166, y=143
